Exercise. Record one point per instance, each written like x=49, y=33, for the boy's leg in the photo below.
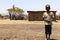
x=50, y=31
x=49, y=36
x=46, y=31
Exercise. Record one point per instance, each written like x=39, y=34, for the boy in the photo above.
x=48, y=17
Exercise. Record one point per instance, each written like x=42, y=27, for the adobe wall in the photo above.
x=37, y=15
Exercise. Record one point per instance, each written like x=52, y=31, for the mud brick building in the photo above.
x=38, y=15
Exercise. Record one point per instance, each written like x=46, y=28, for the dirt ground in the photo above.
x=26, y=30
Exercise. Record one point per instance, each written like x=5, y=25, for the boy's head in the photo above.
x=47, y=7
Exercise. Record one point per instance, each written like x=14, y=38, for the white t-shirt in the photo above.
x=48, y=17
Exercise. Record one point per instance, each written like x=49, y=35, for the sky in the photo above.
x=27, y=5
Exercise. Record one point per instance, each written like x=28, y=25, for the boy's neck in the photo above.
x=48, y=11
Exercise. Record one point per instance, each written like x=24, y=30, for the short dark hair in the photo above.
x=47, y=6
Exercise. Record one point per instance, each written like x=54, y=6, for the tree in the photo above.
x=15, y=12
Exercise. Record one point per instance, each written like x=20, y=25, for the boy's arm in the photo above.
x=43, y=16
x=53, y=15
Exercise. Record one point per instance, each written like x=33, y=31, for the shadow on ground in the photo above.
x=53, y=39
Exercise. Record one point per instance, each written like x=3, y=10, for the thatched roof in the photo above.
x=38, y=11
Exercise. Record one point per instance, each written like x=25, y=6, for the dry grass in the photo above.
x=25, y=30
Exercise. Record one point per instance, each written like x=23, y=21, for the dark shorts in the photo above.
x=48, y=29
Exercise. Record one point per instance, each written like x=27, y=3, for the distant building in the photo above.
x=1, y=17
x=37, y=15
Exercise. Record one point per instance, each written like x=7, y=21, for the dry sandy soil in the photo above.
x=25, y=30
